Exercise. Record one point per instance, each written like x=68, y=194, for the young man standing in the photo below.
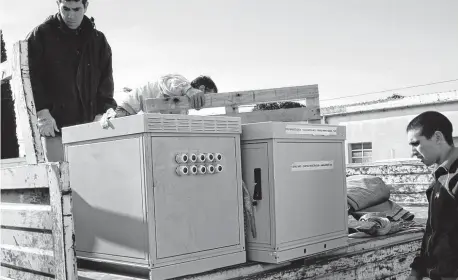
x=167, y=86
x=70, y=71
x=430, y=135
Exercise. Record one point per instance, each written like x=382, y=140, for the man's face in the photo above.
x=72, y=12
x=202, y=88
x=427, y=150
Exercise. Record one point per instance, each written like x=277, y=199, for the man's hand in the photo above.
x=104, y=119
x=46, y=123
x=196, y=98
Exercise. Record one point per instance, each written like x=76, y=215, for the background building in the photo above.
x=376, y=130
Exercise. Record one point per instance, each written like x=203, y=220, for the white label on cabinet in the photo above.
x=312, y=165
x=311, y=130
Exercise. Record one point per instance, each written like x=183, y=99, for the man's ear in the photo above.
x=202, y=88
x=439, y=137
x=85, y=6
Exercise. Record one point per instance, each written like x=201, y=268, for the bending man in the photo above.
x=167, y=86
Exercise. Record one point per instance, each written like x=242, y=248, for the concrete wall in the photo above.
x=386, y=129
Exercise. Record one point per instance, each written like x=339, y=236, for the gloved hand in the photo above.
x=104, y=120
x=196, y=98
x=46, y=123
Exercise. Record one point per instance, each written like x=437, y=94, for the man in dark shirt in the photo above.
x=70, y=71
x=430, y=135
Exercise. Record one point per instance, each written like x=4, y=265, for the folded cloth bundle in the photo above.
x=391, y=209
x=365, y=191
x=368, y=194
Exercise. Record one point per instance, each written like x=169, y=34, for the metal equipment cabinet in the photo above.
x=159, y=192
x=296, y=175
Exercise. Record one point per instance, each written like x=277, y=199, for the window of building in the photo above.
x=361, y=152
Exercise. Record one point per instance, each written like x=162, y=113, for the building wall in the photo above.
x=386, y=129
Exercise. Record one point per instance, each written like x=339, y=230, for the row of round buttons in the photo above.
x=202, y=157
x=199, y=170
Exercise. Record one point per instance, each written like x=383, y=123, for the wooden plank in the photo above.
x=69, y=237
x=70, y=253
x=12, y=162
x=11, y=273
x=63, y=261
x=21, y=238
x=281, y=115
x=5, y=71
x=24, y=177
x=28, y=258
x=57, y=225
x=64, y=177
x=25, y=196
x=235, y=98
x=26, y=216
x=24, y=103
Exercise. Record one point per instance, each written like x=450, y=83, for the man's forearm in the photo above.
x=120, y=112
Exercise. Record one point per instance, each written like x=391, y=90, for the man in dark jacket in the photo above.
x=71, y=73
x=430, y=135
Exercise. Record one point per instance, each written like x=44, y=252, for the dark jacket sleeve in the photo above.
x=446, y=252
x=36, y=64
x=419, y=264
x=105, y=91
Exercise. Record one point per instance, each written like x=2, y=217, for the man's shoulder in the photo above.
x=43, y=27
x=100, y=38
x=100, y=34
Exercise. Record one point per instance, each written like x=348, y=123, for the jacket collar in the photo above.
x=451, y=163
x=86, y=26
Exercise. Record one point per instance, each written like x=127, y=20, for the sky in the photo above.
x=346, y=47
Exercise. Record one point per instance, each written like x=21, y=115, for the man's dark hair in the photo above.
x=204, y=81
x=84, y=1
x=431, y=121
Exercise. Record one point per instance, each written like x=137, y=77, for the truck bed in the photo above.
x=364, y=258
